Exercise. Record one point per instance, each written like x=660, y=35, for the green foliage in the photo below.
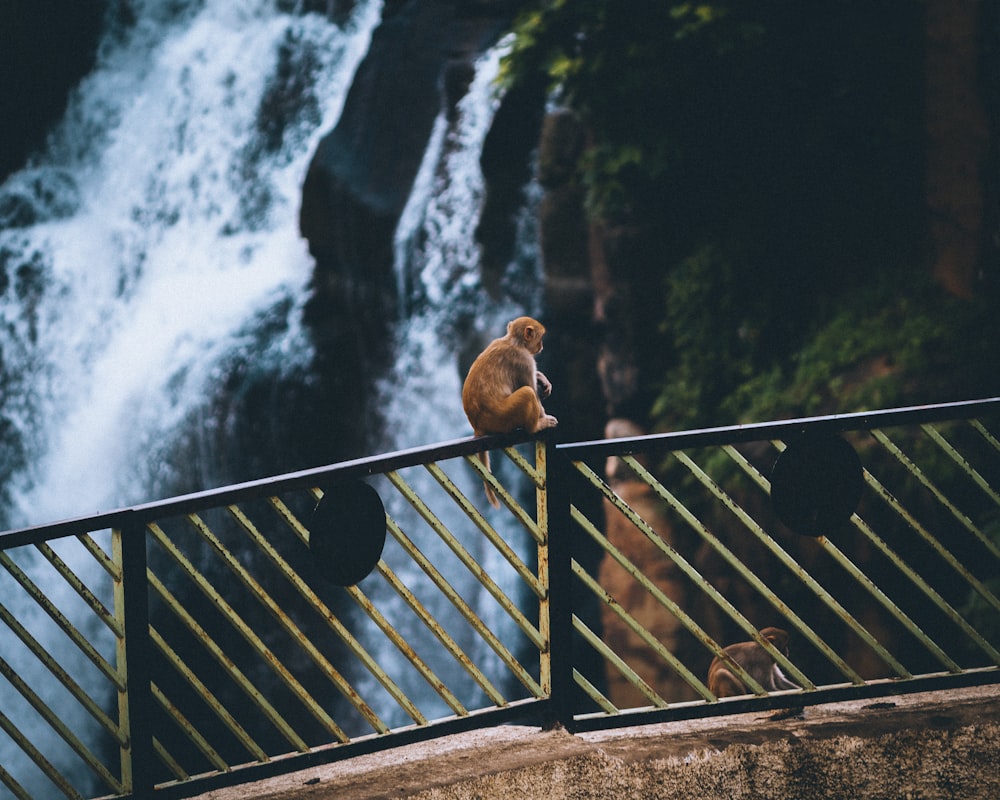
x=883, y=345
x=769, y=158
x=708, y=327
x=617, y=67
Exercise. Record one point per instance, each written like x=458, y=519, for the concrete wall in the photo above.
x=926, y=746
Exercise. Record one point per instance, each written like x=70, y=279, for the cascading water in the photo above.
x=155, y=242
x=153, y=239
x=164, y=226
x=437, y=265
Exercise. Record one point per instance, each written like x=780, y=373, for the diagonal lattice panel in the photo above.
x=258, y=654
x=209, y=637
x=60, y=666
x=692, y=555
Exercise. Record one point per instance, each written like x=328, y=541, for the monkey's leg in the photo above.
x=725, y=684
x=521, y=409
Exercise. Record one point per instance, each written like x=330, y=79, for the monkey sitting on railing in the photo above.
x=504, y=389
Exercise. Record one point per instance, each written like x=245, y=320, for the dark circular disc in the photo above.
x=816, y=484
x=347, y=533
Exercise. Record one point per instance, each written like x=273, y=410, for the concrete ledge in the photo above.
x=924, y=746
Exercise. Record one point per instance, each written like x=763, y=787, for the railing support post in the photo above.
x=135, y=703
x=560, y=607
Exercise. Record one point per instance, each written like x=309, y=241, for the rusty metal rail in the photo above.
x=182, y=645
x=178, y=646
x=686, y=550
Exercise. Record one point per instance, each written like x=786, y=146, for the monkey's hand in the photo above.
x=543, y=386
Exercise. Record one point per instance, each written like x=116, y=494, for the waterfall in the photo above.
x=437, y=265
x=153, y=238
x=163, y=229
x=153, y=243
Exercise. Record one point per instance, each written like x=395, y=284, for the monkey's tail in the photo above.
x=484, y=457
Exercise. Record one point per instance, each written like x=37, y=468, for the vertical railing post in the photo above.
x=560, y=574
x=133, y=655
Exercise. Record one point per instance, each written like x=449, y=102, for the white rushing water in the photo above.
x=437, y=263
x=152, y=236
x=145, y=242
x=179, y=227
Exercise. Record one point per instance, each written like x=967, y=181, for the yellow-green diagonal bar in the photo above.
x=651, y=641
x=465, y=557
x=519, y=513
x=959, y=459
x=254, y=640
x=734, y=613
x=989, y=437
x=304, y=590
x=234, y=672
x=536, y=477
x=440, y=634
x=665, y=601
x=289, y=518
x=616, y=661
x=919, y=474
x=485, y=528
x=462, y=607
x=101, y=557
x=400, y=643
x=903, y=567
x=207, y=696
x=36, y=756
x=59, y=726
x=593, y=692
x=926, y=535
x=61, y=675
x=946, y=556
x=189, y=730
x=99, y=609
x=849, y=566
x=64, y=624
x=786, y=559
x=867, y=531
x=171, y=763
x=8, y=780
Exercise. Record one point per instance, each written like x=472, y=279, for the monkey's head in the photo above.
x=527, y=333
x=777, y=637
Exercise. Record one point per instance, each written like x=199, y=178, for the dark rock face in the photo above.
x=420, y=62
x=46, y=46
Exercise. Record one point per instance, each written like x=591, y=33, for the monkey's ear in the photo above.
x=529, y=332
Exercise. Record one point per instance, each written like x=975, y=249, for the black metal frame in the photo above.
x=557, y=709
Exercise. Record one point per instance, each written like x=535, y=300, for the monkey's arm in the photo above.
x=542, y=385
x=780, y=681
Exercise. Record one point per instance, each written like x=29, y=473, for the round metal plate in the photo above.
x=816, y=484
x=347, y=533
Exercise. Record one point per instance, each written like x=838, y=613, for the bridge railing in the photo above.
x=202, y=640
x=224, y=636
x=872, y=539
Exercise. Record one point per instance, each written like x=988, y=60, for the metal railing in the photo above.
x=882, y=559
x=208, y=640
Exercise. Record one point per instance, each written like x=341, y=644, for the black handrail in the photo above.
x=228, y=495
x=754, y=431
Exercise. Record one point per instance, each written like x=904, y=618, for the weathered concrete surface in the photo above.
x=921, y=747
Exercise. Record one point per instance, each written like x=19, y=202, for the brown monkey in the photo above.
x=504, y=389
x=722, y=682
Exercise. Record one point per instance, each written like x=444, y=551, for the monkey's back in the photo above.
x=497, y=373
